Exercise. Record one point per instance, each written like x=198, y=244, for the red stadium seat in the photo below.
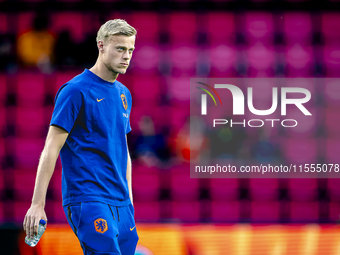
x=147, y=211
x=146, y=184
x=303, y=189
x=179, y=117
x=183, y=188
x=3, y=121
x=3, y=89
x=146, y=91
x=30, y=89
x=2, y=212
x=299, y=60
x=2, y=151
x=333, y=188
x=226, y=211
x=334, y=211
x=331, y=58
x=264, y=189
x=55, y=212
x=23, y=184
x=330, y=25
x=265, y=211
x=182, y=27
x=146, y=59
x=222, y=60
x=118, y=15
x=60, y=79
x=3, y=24
x=304, y=212
x=220, y=27
x=27, y=152
x=30, y=122
x=261, y=60
x=184, y=58
x=186, y=211
x=147, y=26
x=18, y=210
x=297, y=27
x=70, y=21
x=222, y=189
x=2, y=180
x=24, y=22
x=259, y=26
x=178, y=89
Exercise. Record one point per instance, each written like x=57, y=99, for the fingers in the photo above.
x=32, y=227
x=32, y=219
x=36, y=225
x=24, y=224
x=27, y=227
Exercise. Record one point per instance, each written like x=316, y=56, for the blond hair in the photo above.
x=115, y=27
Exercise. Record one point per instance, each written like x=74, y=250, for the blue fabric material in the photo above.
x=102, y=228
x=96, y=114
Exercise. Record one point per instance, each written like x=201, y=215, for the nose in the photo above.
x=126, y=55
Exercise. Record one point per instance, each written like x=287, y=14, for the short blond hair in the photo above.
x=115, y=27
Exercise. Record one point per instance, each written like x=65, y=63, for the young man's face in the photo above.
x=117, y=52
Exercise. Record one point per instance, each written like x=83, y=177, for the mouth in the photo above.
x=124, y=64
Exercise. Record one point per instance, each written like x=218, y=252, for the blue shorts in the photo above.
x=102, y=228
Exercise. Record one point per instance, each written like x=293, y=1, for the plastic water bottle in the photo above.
x=41, y=229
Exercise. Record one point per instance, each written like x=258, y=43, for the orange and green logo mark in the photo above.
x=100, y=225
x=213, y=90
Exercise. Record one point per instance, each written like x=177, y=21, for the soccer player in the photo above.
x=88, y=127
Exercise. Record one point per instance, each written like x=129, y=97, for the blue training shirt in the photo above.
x=96, y=114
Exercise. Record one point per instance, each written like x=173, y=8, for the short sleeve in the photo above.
x=68, y=102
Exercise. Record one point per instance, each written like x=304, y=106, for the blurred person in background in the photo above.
x=89, y=125
x=190, y=143
x=7, y=52
x=151, y=148
x=65, y=50
x=36, y=47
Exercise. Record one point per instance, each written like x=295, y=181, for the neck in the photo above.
x=103, y=72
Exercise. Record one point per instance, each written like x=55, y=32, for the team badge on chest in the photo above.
x=100, y=225
x=124, y=101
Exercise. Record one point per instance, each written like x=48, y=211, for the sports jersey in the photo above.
x=95, y=113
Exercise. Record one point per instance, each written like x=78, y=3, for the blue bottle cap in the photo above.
x=42, y=222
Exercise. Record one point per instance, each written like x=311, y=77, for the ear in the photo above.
x=100, y=45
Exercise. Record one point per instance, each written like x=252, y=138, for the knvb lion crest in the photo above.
x=124, y=101
x=100, y=225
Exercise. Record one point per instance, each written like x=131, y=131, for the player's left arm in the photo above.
x=128, y=173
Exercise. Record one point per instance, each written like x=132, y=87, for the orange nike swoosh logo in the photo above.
x=132, y=228
x=98, y=100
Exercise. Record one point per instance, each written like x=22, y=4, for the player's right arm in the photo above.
x=55, y=140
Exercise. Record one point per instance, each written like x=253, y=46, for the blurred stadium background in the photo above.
x=45, y=43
